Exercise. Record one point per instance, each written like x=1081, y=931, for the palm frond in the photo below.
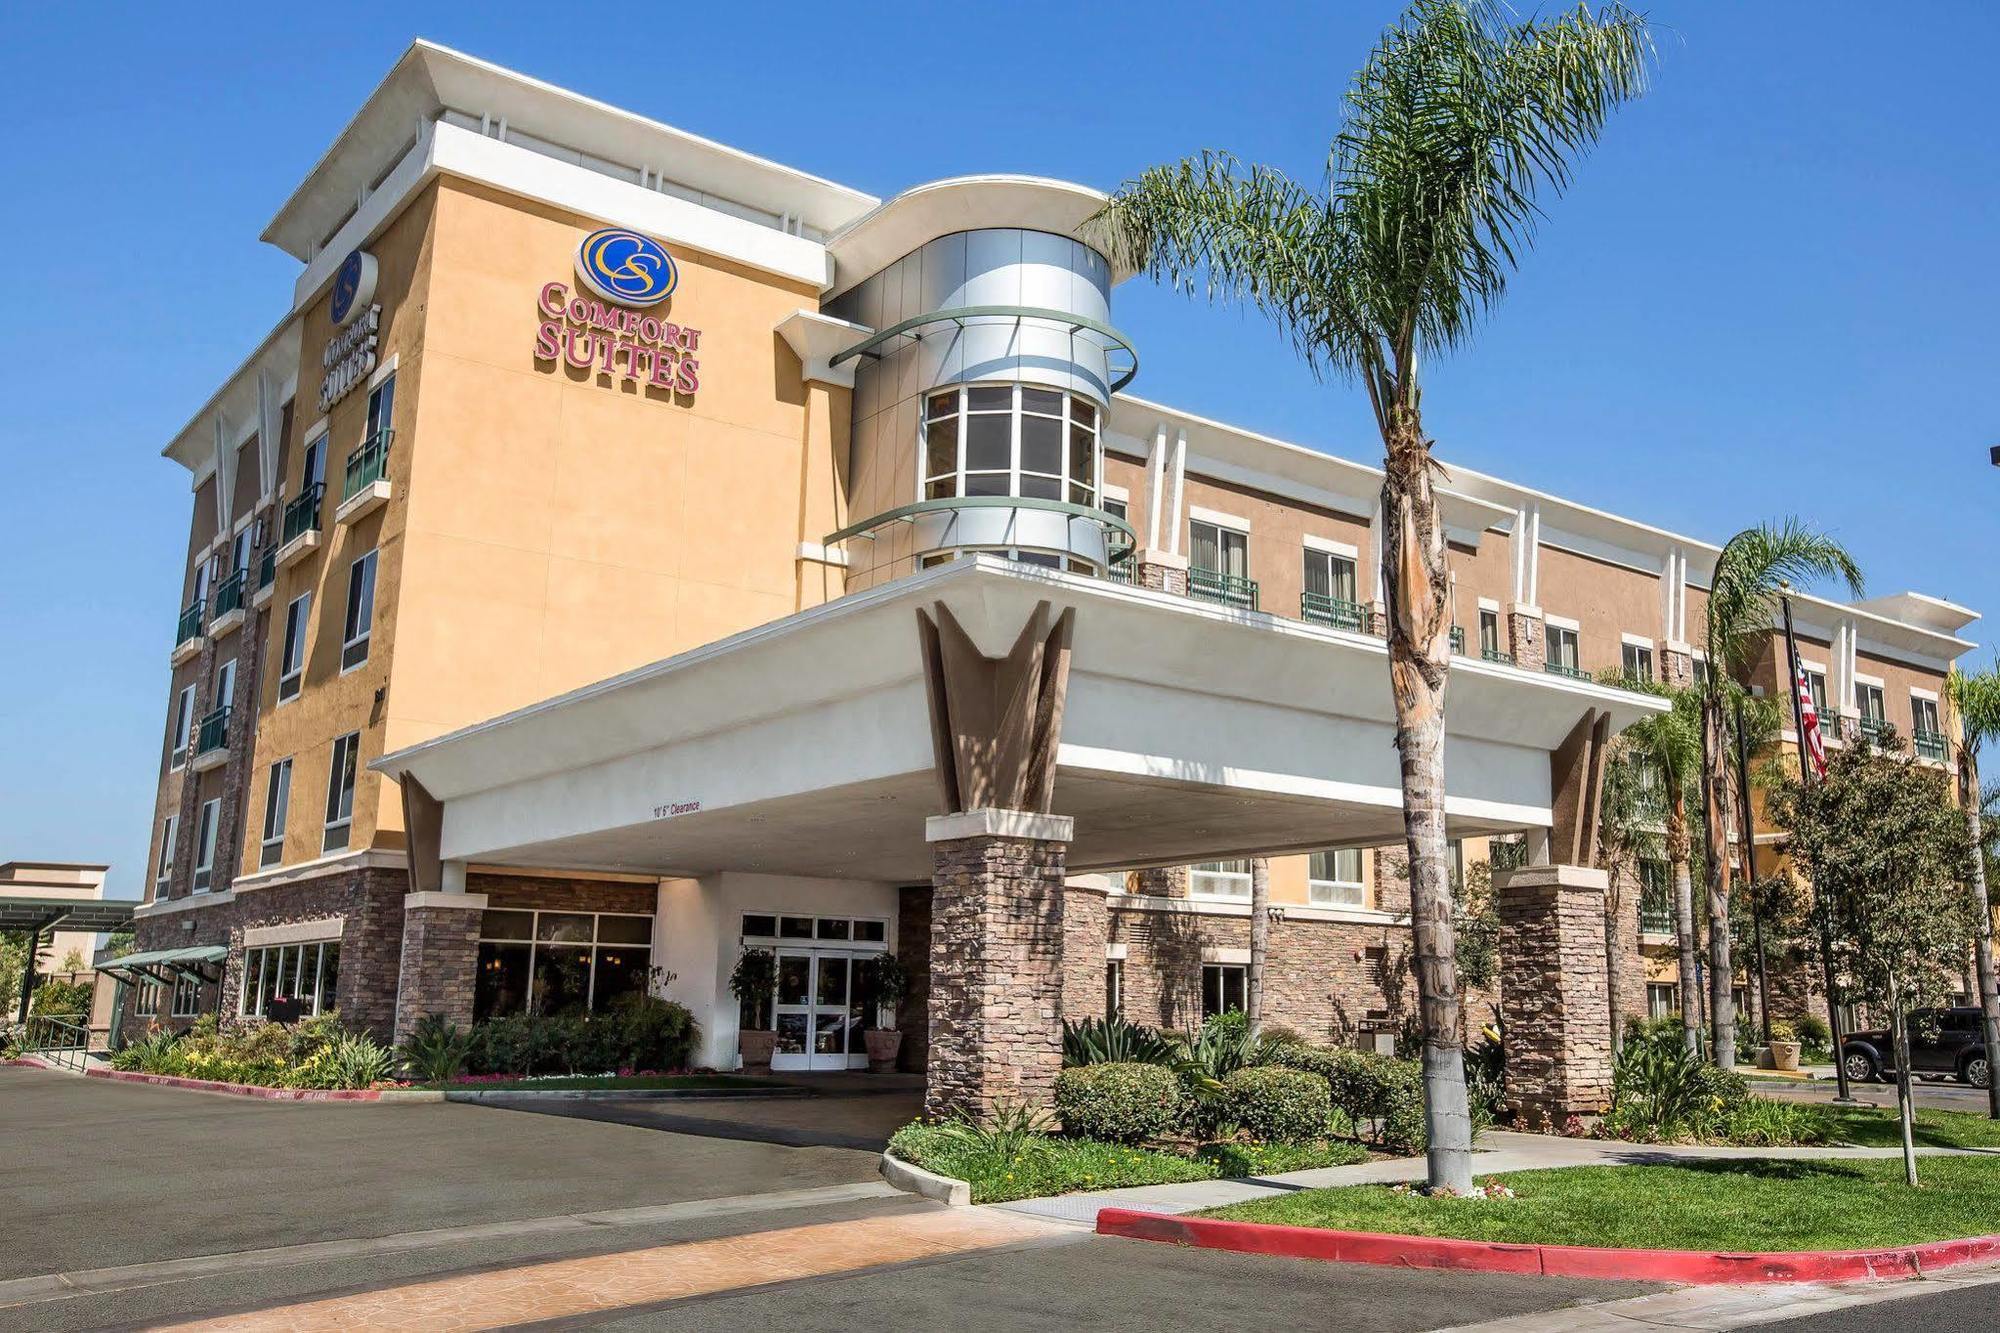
x=1743, y=594
x=1976, y=699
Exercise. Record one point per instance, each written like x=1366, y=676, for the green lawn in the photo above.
x=1719, y=1205
x=612, y=1082
x=1871, y=1128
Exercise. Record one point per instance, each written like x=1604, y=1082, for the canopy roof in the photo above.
x=172, y=959
x=92, y=914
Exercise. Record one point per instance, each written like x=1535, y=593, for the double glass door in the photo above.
x=819, y=1011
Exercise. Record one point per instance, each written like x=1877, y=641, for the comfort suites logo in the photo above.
x=617, y=336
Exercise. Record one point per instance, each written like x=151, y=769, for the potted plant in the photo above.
x=753, y=982
x=1784, y=1047
x=884, y=981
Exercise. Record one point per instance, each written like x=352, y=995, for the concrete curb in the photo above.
x=1687, y=1267
x=410, y=1096
x=475, y=1094
x=246, y=1089
x=914, y=1179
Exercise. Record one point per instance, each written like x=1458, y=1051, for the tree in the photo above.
x=1753, y=570
x=1671, y=743
x=1888, y=853
x=1459, y=121
x=1627, y=817
x=1976, y=700
x=1260, y=943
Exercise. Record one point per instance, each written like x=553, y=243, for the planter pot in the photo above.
x=1785, y=1056
x=756, y=1048
x=883, y=1045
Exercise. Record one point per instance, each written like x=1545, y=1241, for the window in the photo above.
x=1333, y=879
x=559, y=962
x=1869, y=709
x=1221, y=879
x=1638, y=662
x=163, y=869
x=275, y=976
x=1563, y=648
x=1114, y=988
x=340, y=792
x=381, y=406
x=225, y=684
x=199, y=596
x=1010, y=439
x=292, y=655
x=1329, y=576
x=860, y=930
x=239, y=551
x=1489, y=635
x=1223, y=988
x=1218, y=550
x=183, y=727
x=147, y=1004
x=204, y=859
x=1700, y=672
x=360, y=612
x=1662, y=998
x=1923, y=716
x=314, y=471
x=1816, y=687
x=277, y=805
x=187, y=995
x=1656, y=901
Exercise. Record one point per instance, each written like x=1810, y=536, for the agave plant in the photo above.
x=1109, y=1041
x=1014, y=1131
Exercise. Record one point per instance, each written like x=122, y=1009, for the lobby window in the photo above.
x=147, y=1002
x=183, y=727
x=559, y=962
x=1010, y=439
x=1220, y=879
x=279, y=975
x=1224, y=987
x=292, y=653
x=187, y=996
x=340, y=792
x=1563, y=648
x=1114, y=988
x=1489, y=635
x=1333, y=878
x=204, y=846
x=277, y=805
x=163, y=869
x=360, y=612
x=1662, y=999
x=1637, y=662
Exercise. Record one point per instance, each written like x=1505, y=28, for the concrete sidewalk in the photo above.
x=1499, y=1151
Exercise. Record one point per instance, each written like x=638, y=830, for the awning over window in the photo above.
x=158, y=962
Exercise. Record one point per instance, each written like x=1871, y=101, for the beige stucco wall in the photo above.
x=1606, y=600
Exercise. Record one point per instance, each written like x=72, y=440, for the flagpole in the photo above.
x=1843, y=1096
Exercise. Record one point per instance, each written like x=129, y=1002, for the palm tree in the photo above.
x=1626, y=816
x=1459, y=120
x=1671, y=743
x=1976, y=700
x=1754, y=568
x=1260, y=944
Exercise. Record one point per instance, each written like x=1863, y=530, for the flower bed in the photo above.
x=314, y=1053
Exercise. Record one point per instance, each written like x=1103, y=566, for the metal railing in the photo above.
x=302, y=514
x=214, y=731
x=267, y=568
x=1930, y=745
x=229, y=594
x=1122, y=572
x=367, y=464
x=1335, y=613
x=1871, y=728
x=1495, y=655
x=1212, y=585
x=62, y=1040
x=1458, y=640
x=190, y=624
x=1558, y=669
x=1829, y=725
x=1655, y=919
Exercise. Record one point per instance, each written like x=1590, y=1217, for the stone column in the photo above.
x=1676, y=664
x=1554, y=993
x=440, y=958
x=1164, y=881
x=1527, y=637
x=1162, y=571
x=996, y=965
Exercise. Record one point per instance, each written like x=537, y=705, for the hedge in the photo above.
x=1279, y=1104
x=1117, y=1103
x=1381, y=1095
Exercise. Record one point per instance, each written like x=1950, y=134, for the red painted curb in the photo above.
x=241, y=1089
x=1688, y=1267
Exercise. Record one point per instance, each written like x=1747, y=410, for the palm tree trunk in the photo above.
x=1715, y=805
x=1417, y=576
x=1677, y=852
x=1982, y=939
x=1260, y=943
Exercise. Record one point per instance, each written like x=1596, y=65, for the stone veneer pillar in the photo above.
x=1161, y=571
x=1554, y=993
x=1165, y=881
x=1527, y=636
x=440, y=958
x=1676, y=664
x=996, y=964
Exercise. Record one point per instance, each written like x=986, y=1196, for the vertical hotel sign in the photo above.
x=349, y=358
x=615, y=335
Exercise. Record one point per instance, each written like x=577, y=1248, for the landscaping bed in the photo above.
x=1734, y=1205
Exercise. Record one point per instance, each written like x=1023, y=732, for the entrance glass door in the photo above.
x=819, y=1020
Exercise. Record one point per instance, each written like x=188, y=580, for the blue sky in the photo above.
x=1771, y=290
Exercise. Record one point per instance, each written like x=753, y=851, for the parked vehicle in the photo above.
x=1942, y=1041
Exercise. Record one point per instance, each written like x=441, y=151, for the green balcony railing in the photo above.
x=1458, y=640
x=214, y=731
x=1656, y=919
x=1871, y=728
x=1558, y=669
x=1495, y=655
x=1930, y=745
x=1212, y=585
x=190, y=624
x=1829, y=724
x=1122, y=572
x=229, y=594
x=267, y=568
x=302, y=514
x=1319, y=609
x=367, y=464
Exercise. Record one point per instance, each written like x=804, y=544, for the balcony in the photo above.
x=1558, y=669
x=300, y=533
x=228, y=613
x=1495, y=655
x=1209, y=585
x=1458, y=640
x=1871, y=728
x=1332, y=612
x=1830, y=725
x=1656, y=919
x=211, y=747
x=1930, y=745
x=187, y=634
x=366, y=487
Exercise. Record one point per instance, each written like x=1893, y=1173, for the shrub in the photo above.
x=61, y=999
x=1117, y=1103
x=1381, y=1096
x=639, y=1032
x=1113, y=1041
x=1813, y=1031
x=436, y=1050
x=1283, y=1105
x=313, y=1053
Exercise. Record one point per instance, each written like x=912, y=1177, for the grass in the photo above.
x=613, y=1082
x=1794, y=1204
x=1933, y=1129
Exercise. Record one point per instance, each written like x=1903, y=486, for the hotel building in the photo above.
x=625, y=550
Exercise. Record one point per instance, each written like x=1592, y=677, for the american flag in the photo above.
x=1809, y=737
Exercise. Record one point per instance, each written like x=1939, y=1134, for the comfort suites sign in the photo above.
x=603, y=323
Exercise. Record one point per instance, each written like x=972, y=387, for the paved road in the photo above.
x=1943, y=1095
x=1963, y=1310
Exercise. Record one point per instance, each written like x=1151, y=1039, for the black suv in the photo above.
x=1942, y=1041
